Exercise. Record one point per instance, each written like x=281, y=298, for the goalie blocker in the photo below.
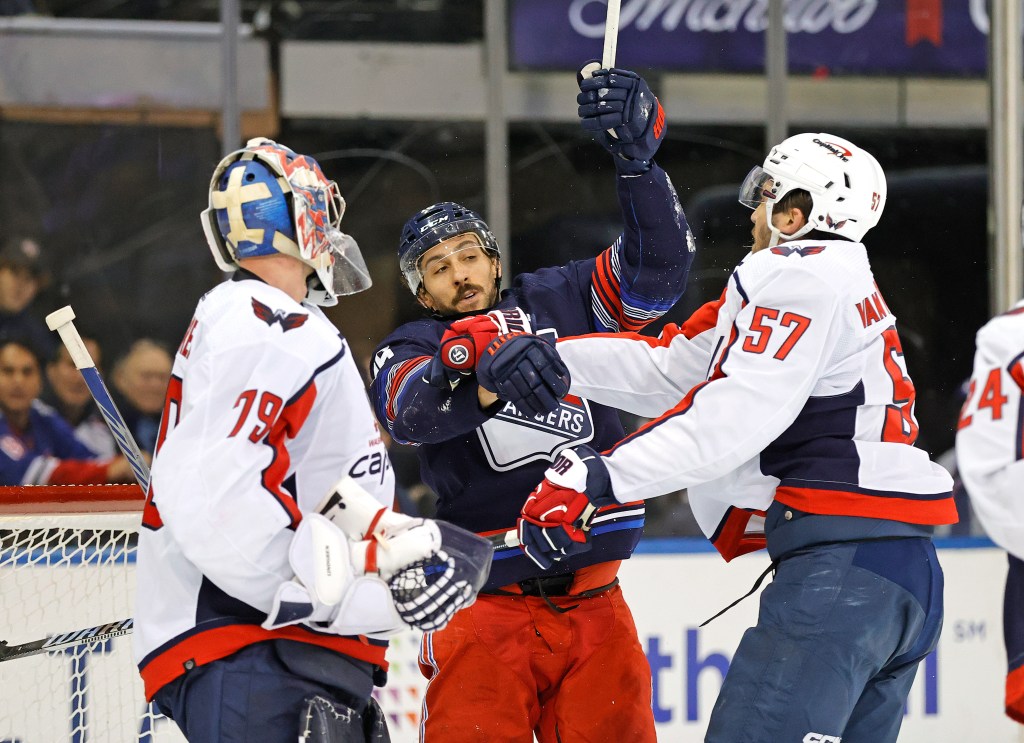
x=363, y=569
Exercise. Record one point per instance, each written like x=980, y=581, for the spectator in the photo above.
x=36, y=446
x=140, y=382
x=23, y=275
x=68, y=394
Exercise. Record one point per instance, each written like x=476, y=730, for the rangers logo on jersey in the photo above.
x=288, y=320
x=511, y=438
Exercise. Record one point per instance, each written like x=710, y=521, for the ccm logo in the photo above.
x=821, y=738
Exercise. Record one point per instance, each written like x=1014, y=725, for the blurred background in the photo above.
x=113, y=114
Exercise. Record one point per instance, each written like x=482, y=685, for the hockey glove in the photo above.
x=555, y=520
x=465, y=340
x=620, y=101
x=525, y=370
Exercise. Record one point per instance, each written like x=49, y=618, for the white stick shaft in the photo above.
x=611, y=34
x=62, y=322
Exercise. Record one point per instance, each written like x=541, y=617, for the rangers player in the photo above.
x=989, y=454
x=258, y=618
x=555, y=654
x=785, y=404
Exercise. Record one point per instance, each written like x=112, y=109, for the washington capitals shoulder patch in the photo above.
x=288, y=320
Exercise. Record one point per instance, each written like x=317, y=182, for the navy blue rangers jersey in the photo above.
x=484, y=463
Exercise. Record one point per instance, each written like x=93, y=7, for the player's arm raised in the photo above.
x=644, y=272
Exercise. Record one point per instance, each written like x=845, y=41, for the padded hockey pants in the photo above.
x=510, y=666
x=840, y=633
x=248, y=697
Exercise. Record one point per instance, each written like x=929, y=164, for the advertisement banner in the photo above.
x=672, y=587
x=825, y=37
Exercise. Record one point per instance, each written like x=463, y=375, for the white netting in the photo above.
x=60, y=573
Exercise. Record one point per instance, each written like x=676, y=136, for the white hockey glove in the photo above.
x=363, y=569
x=340, y=584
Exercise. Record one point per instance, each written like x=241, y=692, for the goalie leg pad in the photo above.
x=326, y=721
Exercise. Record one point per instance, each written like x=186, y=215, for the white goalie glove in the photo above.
x=363, y=569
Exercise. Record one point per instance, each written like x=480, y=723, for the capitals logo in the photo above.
x=288, y=320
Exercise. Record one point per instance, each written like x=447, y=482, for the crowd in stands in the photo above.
x=51, y=431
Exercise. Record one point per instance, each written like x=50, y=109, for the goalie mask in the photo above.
x=266, y=199
x=846, y=185
x=434, y=225
x=428, y=593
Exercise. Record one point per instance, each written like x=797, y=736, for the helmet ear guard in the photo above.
x=846, y=184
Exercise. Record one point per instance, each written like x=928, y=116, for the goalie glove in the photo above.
x=465, y=340
x=361, y=568
x=555, y=520
x=525, y=370
x=620, y=101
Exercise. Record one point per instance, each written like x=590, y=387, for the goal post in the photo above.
x=67, y=557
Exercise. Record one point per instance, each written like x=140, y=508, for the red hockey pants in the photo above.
x=510, y=667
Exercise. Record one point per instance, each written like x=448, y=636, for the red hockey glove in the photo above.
x=465, y=340
x=555, y=520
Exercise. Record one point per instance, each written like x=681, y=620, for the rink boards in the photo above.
x=672, y=586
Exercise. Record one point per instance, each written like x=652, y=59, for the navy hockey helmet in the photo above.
x=433, y=225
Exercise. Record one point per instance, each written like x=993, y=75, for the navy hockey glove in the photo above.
x=620, y=100
x=525, y=370
x=555, y=520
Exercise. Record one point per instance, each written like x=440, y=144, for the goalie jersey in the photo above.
x=484, y=464
x=265, y=411
x=791, y=388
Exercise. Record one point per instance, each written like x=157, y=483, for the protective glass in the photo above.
x=757, y=187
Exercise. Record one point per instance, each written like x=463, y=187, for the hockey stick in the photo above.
x=62, y=321
x=80, y=637
x=611, y=42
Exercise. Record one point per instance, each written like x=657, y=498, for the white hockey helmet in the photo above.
x=846, y=184
x=266, y=199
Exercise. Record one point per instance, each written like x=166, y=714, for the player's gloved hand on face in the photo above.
x=465, y=340
x=525, y=370
x=620, y=100
x=555, y=520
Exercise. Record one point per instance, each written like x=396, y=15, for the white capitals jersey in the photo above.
x=265, y=411
x=990, y=435
x=791, y=387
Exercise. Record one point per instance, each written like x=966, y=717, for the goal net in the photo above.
x=67, y=557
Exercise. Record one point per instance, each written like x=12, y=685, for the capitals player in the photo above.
x=256, y=618
x=552, y=654
x=785, y=404
x=989, y=454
